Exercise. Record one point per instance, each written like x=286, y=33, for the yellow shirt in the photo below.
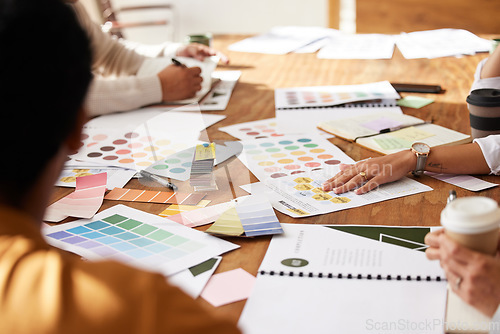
x=46, y=290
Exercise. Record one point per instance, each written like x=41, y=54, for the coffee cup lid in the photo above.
x=485, y=97
x=471, y=215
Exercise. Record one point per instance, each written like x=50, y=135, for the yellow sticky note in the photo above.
x=411, y=134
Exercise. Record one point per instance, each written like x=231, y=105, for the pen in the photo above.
x=158, y=179
x=178, y=63
x=395, y=128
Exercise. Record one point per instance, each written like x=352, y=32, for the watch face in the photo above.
x=421, y=148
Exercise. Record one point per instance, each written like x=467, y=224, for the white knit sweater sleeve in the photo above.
x=115, y=86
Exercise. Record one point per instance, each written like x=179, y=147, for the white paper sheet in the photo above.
x=192, y=284
x=358, y=46
x=440, y=43
x=281, y=303
x=302, y=196
x=282, y=40
x=463, y=181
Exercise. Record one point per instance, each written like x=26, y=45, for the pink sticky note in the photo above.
x=84, y=202
x=228, y=287
x=381, y=123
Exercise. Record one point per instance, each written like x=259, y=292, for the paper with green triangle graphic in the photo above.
x=408, y=237
x=227, y=224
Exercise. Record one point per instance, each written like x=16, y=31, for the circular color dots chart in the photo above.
x=290, y=155
x=129, y=149
x=176, y=166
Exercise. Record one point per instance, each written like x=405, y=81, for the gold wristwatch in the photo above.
x=422, y=151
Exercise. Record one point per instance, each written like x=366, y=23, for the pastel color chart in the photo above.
x=137, y=238
x=290, y=155
x=264, y=128
x=176, y=166
x=134, y=149
x=323, y=96
x=150, y=196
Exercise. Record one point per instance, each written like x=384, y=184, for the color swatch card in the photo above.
x=151, y=196
x=228, y=224
x=117, y=177
x=324, y=96
x=264, y=128
x=84, y=202
x=290, y=155
x=201, y=216
x=175, y=209
x=251, y=215
x=139, y=239
x=203, y=164
x=193, y=280
x=302, y=195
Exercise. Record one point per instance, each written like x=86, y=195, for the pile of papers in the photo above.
x=337, y=45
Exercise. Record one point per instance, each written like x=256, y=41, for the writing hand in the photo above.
x=178, y=83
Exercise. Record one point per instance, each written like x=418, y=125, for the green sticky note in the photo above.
x=392, y=143
x=414, y=102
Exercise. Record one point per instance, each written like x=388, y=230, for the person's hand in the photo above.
x=179, y=82
x=372, y=172
x=200, y=52
x=478, y=274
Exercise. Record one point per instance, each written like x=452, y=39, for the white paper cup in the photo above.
x=473, y=222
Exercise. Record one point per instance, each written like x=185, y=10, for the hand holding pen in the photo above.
x=178, y=82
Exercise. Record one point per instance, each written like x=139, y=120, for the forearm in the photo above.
x=460, y=159
x=107, y=96
x=491, y=68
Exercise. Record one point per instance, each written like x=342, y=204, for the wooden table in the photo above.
x=253, y=99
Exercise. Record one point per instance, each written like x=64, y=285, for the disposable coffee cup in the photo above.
x=494, y=44
x=473, y=222
x=484, y=112
x=205, y=39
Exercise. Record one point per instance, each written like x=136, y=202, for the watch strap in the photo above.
x=419, y=168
